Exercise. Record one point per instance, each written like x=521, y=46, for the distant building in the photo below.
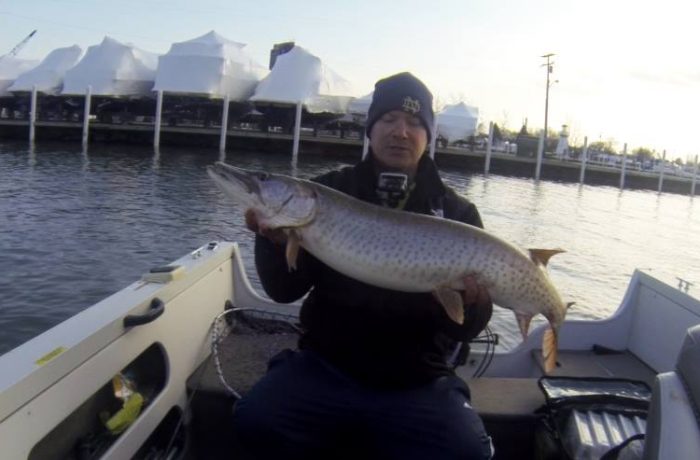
x=562, y=150
x=278, y=50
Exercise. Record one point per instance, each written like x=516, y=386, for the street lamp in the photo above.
x=549, y=64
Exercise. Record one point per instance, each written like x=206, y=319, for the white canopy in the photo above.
x=299, y=76
x=457, y=121
x=360, y=106
x=48, y=75
x=112, y=69
x=210, y=65
x=11, y=68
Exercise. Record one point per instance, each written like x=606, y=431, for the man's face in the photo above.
x=398, y=139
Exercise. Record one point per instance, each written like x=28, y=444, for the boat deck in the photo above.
x=506, y=405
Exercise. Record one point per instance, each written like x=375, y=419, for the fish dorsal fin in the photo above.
x=542, y=256
x=451, y=301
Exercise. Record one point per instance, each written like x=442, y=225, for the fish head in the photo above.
x=279, y=201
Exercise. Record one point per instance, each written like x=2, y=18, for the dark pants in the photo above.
x=305, y=408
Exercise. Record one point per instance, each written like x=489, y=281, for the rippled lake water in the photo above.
x=78, y=226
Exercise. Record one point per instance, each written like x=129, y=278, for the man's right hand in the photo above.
x=276, y=235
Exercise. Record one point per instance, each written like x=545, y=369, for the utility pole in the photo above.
x=549, y=64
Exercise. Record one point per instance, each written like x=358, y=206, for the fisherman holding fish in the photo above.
x=373, y=375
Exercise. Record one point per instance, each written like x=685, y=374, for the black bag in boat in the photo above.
x=590, y=418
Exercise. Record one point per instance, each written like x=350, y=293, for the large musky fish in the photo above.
x=399, y=250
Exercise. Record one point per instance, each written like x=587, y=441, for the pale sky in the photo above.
x=627, y=70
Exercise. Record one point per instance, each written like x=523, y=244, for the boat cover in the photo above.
x=48, y=75
x=457, y=122
x=210, y=65
x=299, y=76
x=360, y=106
x=11, y=68
x=112, y=68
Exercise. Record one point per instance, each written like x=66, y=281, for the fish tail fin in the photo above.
x=549, y=350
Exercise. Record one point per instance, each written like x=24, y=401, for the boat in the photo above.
x=190, y=337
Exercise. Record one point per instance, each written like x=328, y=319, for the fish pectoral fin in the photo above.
x=292, y=250
x=542, y=256
x=451, y=301
x=549, y=350
x=523, y=323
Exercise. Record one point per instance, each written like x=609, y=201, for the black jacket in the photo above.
x=381, y=337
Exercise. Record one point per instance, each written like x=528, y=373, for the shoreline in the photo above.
x=554, y=169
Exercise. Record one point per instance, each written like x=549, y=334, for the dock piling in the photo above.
x=624, y=167
x=540, y=154
x=695, y=177
x=584, y=159
x=489, y=146
x=159, y=115
x=297, y=130
x=86, y=114
x=224, y=124
x=433, y=138
x=661, y=173
x=32, y=114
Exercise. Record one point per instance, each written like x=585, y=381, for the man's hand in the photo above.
x=277, y=235
x=477, y=306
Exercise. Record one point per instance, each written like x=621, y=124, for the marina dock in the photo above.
x=347, y=144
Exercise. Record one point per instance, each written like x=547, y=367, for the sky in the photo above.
x=624, y=71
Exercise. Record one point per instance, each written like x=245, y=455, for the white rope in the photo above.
x=218, y=333
x=220, y=329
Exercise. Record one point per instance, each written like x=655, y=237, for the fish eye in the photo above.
x=263, y=176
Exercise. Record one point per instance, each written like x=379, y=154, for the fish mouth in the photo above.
x=228, y=176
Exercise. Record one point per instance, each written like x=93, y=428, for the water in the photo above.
x=76, y=227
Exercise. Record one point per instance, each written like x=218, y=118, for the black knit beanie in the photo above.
x=404, y=92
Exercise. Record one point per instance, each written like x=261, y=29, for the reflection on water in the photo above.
x=86, y=157
x=77, y=226
x=31, y=161
x=156, y=158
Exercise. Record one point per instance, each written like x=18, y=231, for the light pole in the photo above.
x=549, y=64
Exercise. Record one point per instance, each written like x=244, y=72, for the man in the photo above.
x=371, y=378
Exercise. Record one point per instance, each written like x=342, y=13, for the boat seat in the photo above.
x=673, y=424
x=598, y=362
x=507, y=407
x=506, y=398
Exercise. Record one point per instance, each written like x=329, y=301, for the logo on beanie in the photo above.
x=411, y=105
